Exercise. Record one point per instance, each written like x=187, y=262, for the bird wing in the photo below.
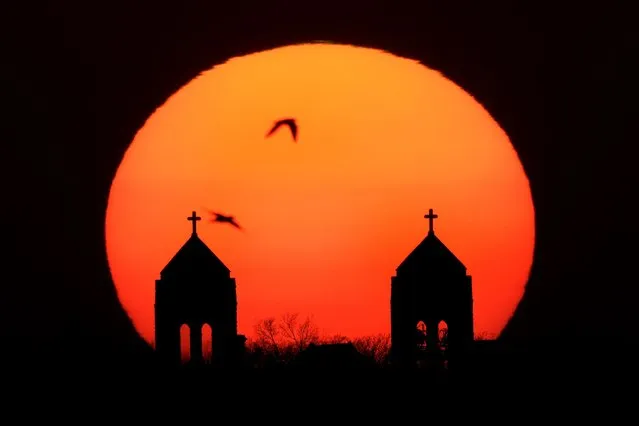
x=293, y=127
x=234, y=223
x=290, y=122
x=274, y=128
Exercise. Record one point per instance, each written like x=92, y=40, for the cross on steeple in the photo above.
x=430, y=216
x=193, y=218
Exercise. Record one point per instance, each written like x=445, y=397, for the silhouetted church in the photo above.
x=195, y=288
x=431, y=305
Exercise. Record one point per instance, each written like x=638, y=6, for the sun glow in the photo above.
x=328, y=219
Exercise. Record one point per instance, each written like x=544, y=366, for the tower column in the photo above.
x=196, y=343
x=432, y=336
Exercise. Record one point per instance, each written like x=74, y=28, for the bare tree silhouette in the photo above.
x=299, y=333
x=337, y=338
x=376, y=347
x=278, y=341
x=268, y=335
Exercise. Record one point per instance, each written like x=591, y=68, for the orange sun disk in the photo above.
x=328, y=219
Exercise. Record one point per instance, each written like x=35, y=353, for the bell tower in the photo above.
x=196, y=289
x=431, y=304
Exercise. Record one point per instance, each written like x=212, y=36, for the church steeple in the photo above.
x=431, y=287
x=194, y=257
x=431, y=254
x=196, y=288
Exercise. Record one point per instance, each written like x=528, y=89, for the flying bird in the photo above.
x=225, y=219
x=290, y=122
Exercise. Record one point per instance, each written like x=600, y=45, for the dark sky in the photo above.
x=79, y=81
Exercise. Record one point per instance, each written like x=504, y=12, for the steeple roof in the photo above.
x=194, y=258
x=431, y=255
x=194, y=255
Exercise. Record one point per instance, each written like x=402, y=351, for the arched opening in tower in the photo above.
x=442, y=335
x=207, y=343
x=185, y=343
x=421, y=335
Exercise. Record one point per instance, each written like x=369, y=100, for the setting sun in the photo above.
x=328, y=218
